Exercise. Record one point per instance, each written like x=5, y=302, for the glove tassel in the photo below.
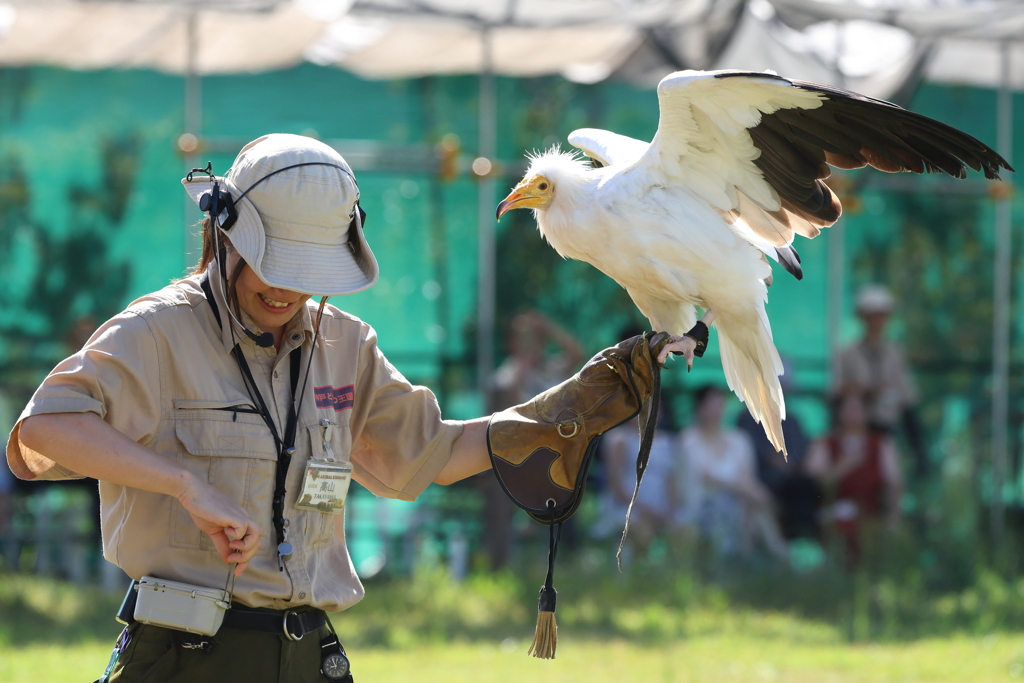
x=545, y=638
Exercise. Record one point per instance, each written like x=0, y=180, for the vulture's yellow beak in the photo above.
x=533, y=192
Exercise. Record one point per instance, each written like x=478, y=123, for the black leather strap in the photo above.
x=648, y=423
x=289, y=623
x=699, y=334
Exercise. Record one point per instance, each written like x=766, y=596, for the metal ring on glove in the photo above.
x=575, y=429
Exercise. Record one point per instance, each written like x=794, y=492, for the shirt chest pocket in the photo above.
x=233, y=450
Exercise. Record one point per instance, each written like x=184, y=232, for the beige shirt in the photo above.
x=161, y=371
x=880, y=371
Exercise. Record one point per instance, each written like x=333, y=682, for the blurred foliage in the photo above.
x=64, y=277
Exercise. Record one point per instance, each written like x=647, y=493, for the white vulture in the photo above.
x=734, y=172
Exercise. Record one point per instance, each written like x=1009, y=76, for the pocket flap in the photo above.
x=213, y=433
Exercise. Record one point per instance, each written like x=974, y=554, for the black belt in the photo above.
x=293, y=624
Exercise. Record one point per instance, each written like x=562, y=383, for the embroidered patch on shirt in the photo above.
x=339, y=399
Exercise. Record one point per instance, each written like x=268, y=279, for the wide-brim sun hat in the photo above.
x=296, y=229
x=874, y=299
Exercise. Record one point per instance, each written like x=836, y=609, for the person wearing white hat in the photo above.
x=224, y=417
x=877, y=368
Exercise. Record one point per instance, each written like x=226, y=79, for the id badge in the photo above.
x=325, y=486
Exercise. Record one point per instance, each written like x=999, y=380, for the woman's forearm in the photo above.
x=469, y=453
x=85, y=444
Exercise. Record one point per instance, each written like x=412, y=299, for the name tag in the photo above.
x=325, y=486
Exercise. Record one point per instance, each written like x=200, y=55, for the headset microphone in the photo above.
x=265, y=340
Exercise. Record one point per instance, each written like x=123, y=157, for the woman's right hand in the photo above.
x=236, y=537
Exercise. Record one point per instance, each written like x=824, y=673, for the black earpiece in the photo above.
x=220, y=206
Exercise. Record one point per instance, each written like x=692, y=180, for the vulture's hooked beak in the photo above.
x=507, y=204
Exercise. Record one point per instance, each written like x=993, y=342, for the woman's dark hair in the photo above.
x=209, y=251
x=701, y=393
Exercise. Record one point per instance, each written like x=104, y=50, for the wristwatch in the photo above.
x=335, y=664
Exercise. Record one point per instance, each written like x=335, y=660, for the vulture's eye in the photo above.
x=543, y=186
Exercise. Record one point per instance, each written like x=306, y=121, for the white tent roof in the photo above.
x=234, y=35
x=873, y=46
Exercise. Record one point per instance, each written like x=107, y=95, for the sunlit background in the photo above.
x=104, y=105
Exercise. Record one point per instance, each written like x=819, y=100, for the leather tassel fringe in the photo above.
x=545, y=638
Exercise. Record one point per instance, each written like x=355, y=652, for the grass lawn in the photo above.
x=431, y=630
x=753, y=657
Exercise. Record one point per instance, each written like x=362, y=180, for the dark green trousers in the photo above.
x=160, y=655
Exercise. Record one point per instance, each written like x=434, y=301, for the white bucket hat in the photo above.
x=298, y=229
x=874, y=299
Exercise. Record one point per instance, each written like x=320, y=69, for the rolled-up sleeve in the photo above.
x=400, y=442
x=116, y=375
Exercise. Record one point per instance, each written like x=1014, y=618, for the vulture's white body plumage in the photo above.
x=687, y=219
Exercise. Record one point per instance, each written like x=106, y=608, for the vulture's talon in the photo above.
x=680, y=346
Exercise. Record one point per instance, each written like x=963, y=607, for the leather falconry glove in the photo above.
x=541, y=450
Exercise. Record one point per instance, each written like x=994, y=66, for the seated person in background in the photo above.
x=726, y=498
x=655, y=511
x=795, y=493
x=860, y=472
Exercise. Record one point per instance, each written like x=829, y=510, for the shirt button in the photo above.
x=302, y=595
x=275, y=374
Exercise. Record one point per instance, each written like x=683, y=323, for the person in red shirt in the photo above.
x=860, y=468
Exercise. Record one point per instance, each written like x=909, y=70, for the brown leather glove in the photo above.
x=541, y=450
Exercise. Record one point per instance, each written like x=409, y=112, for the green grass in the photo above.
x=635, y=627
x=746, y=657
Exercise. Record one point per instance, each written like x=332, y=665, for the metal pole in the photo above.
x=1001, y=308
x=193, y=120
x=485, y=220
x=836, y=246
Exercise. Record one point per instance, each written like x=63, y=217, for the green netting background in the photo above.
x=92, y=215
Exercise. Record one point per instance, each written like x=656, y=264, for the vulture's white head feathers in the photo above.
x=554, y=180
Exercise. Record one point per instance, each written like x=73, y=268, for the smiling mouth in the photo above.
x=274, y=304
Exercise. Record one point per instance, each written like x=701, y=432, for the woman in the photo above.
x=860, y=469
x=200, y=407
x=729, y=503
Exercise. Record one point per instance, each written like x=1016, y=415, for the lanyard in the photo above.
x=285, y=443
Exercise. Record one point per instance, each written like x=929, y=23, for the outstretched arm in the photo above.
x=87, y=445
x=469, y=453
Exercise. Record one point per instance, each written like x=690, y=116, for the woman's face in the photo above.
x=269, y=307
x=711, y=409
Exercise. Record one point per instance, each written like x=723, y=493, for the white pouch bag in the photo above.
x=181, y=606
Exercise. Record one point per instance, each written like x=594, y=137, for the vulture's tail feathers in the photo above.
x=752, y=367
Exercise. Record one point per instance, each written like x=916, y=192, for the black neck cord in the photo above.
x=285, y=443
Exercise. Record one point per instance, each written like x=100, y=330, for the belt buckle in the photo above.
x=284, y=623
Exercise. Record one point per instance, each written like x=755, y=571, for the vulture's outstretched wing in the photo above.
x=757, y=147
x=607, y=148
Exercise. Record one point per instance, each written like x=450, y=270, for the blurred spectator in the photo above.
x=860, y=472
x=729, y=503
x=795, y=493
x=878, y=369
x=529, y=368
x=656, y=510
x=528, y=371
x=9, y=546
